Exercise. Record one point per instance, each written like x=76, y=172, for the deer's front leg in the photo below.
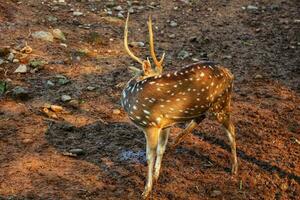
x=152, y=135
x=162, y=143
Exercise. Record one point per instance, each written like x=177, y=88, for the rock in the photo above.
x=120, y=15
x=27, y=141
x=77, y=151
x=227, y=57
x=52, y=19
x=274, y=7
x=118, y=8
x=21, y=69
x=16, y=60
x=137, y=44
x=20, y=93
x=50, y=83
x=215, y=193
x=195, y=59
x=173, y=24
x=10, y=57
x=77, y=13
x=1, y=61
x=66, y=98
x=58, y=34
x=74, y=103
x=43, y=35
x=63, y=45
x=131, y=10
x=251, y=7
x=183, y=54
x=109, y=12
x=90, y=88
x=258, y=76
x=172, y=35
x=116, y=111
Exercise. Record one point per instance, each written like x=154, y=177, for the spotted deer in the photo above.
x=154, y=101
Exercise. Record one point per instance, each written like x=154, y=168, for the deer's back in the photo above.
x=177, y=96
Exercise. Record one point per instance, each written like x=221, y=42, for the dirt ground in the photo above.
x=257, y=40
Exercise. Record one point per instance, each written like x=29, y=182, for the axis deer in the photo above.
x=154, y=101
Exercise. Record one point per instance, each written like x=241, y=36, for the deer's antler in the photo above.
x=157, y=63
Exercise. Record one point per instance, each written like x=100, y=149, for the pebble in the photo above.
x=58, y=34
x=90, y=88
x=116, y=111
x=137, y=44
x=66, y=98
x=50, y=83
x=27, y=141
x=173, y=24
x=258, y=76
x=77, y=151
x=16, y=60
x=183, y=54
x=77, y=13
x=172, y=35
x=10, y=57
x=43, y=35
x=215, y=193
x=120, y=15
x=131, y=10
x=1, y=61
x=21, y=69
x=251, y=7
x=118, y=8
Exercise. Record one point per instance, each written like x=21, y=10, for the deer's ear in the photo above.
x=135, y=71
x=147, y=67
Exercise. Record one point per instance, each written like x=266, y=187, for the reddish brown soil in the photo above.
x=266, y=110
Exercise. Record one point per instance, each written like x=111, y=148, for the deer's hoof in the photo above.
x=146, y=193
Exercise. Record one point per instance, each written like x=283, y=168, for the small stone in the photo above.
x=215, y=193
x=21, y=69
x=63, y=45
x=27, y=141
x=1, y=61
x=20, y=93
x=116, y=111
x=120, y=15
x=109, y=12
x=130, y=10
x=251, y=7
x=90, y=88
x=77, y=13
x=50, y=83
x=173, y=24
x=10, y=57
x=195, y=59
x=43, y=35
x=183, y=54
x=16, y=60
x=172, y=35
x=284, y=186
x=58, y=34
x=74, y=103
x=137, y=44
x=77, y=151
x=258, y=76
x=227, y=57
x=118, y=8
x=52, y=19
x=66, y=98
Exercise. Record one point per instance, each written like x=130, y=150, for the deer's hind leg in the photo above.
x=190, y=127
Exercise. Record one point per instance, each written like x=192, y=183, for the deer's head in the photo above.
x=147, y=70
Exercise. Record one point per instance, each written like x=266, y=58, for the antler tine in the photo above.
x=126, y=42
x=152, y=50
